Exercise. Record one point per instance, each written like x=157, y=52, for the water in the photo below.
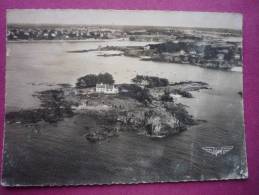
x=61, y=155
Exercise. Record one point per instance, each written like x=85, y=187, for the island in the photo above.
x=146, y=106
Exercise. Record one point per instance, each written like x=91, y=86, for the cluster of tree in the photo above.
x=209, y=51
x=150, y=81
x=91, y=80
x=170, y=47
x=136, y=92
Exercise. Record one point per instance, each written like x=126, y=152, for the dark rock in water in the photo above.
x=101, y=134
x=94, y=137
x=110, y=55
x=54, y=108
x=81, y=51
x=65, y=85
x=166, y=97
x=240, y=93
x=24, y=116
x=183, y=93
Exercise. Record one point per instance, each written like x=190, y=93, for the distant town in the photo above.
x=219, y=49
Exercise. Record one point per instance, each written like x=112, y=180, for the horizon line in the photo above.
x=123, y=25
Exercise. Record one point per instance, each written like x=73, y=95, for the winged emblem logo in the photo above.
x=216, y=151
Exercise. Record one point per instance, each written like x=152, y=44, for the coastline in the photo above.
x=58, y=41
x=126, y=110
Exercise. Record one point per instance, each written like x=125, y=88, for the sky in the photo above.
x=125, y=17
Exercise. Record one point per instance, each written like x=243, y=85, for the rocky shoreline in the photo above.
x=215, y=55
x=150, y=111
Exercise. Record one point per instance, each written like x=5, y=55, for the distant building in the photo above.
x=220, y=56
x=106, y=88
x=147, y=47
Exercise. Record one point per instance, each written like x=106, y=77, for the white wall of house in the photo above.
x=107, y=89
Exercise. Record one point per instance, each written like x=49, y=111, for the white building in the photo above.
x=106, y=88
x=146, y=47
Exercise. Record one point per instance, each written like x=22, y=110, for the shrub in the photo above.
x=150, y=81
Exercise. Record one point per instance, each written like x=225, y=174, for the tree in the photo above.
x=105, y=78
x=150, y=81
x=136, y=92
x=138, y=79
x=91, y=80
